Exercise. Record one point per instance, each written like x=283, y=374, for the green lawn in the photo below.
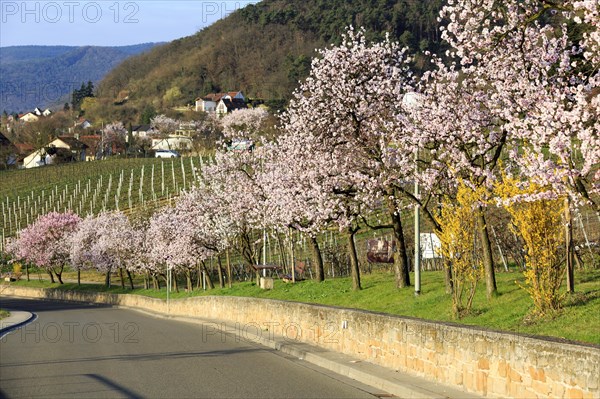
x=579, y=319
x=4, y=313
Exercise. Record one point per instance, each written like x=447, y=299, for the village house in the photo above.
x=94, y=146
x=143, y=131
x=8, y=152
x=28, y=117
x=221, y=103
x=34, y=115
x=172, y=143
x=64, y=148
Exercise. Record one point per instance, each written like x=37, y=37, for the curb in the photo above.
x=17, y=319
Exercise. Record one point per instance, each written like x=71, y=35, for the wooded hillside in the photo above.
x=262, y=49
x=43, y=76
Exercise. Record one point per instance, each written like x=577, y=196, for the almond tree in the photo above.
x=169, y=243
x=350, y=103
x=300, y=189
x=209, y=225
x=232, y=182
x=46, y=242
x=513, y=87
x=165, y=125
x=114, y=137
x=106, y=242
x=81, y=244
x=244, y=123
x=544, y=76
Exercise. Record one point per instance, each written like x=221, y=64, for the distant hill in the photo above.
x=41, y=76
x=262, y=49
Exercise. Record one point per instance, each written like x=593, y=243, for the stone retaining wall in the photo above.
x=489, y=363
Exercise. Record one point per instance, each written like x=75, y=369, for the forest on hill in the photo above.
x=43, y=76
x=262, y=49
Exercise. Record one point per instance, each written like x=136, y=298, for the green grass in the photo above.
x=579, y=319
x=4, y=314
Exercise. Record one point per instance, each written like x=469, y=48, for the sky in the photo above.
x=106, y=22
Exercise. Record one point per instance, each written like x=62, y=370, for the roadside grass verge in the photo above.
x=4, y=313
x=579, y=320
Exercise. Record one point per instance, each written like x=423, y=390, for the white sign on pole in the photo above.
x=431, y=246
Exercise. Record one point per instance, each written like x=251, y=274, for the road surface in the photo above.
x=84, y=351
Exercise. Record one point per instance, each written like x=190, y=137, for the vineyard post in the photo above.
x=193, y=169
x=130, y=187
x=152, y=183
x=183, y=173
x=175, y=190
x=162, y=187
x=141, y=190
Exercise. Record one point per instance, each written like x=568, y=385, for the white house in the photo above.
x=76, y=147
x=227, y=105
x=65, y=147
x=34, y=115
x=173, y=142
x=35, y=159
x=29, y=117
x=210, y=102
x=143, y=131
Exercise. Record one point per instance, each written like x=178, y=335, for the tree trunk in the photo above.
x=130, y=278
x=401, y=266
x=122, y=278
x=282, y=251
x=78, y=277
x=220, y=270
x=174, y=281
x=59, y=275
x=27, y=270
x=319, y=271
x=51, y=276
x=107, y=279
x=248, y=254
x=199, y=278
x=448, y=276
x=488, y=260
x=355, y=270
x=569, y=247
x=188, y=280
x=229, y=282
x=209, y=282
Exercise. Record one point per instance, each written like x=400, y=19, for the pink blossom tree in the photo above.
x=46, y=242
x=551, y=112
x=299, y=180
x=114, y=136
x=210, y=226
x=514, y=86
x=181, y=238
x=164, y=124
x=232, y=180
x=350, y=103
x=244, y=123
x=105, y=242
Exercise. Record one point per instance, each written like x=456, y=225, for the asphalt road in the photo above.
x=84, y=351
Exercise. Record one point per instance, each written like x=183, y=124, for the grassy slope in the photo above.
x=578, y=321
